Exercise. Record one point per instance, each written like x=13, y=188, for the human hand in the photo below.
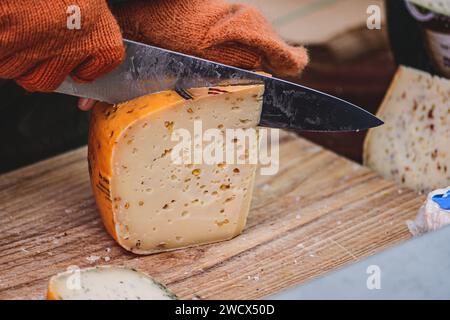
x=39, y=51
x=233, y=34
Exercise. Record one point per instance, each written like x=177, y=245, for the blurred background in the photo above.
x=347, y=60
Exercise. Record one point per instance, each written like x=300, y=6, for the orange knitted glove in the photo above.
x=233, y=34
x=39, y=51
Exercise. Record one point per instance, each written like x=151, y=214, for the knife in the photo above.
x=148, y=69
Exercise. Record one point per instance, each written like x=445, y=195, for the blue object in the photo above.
x=443, y=200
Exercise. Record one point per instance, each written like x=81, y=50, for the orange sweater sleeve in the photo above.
x=41, y=44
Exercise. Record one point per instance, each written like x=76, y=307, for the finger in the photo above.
x=47, y=75
x=86, y=104
x=98, y=64
x=244, y=38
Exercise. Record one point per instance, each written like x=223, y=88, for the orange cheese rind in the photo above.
x=108, y=128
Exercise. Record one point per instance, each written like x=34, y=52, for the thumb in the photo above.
x=85, y=104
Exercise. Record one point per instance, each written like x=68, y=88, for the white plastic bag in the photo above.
x=433, y=214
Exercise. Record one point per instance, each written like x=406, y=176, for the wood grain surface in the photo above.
x=318, y=213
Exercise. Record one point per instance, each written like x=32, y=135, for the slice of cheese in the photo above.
x=147, y=202
x=106, y=283
x=413, y=146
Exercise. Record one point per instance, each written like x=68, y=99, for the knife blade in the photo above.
x=148, y=69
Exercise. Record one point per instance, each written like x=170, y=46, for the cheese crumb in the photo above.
x=93, y=259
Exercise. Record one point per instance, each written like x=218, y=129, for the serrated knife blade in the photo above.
x=148, y=69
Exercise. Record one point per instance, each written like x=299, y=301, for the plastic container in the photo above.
x=420, y=38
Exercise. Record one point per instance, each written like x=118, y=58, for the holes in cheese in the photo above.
x=106, y=283
x=148, y=202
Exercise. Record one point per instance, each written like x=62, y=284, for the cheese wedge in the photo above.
x=413, y=146
x=149, y=203
x=106, y=283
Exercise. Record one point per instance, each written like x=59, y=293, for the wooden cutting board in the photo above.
x=318, y=213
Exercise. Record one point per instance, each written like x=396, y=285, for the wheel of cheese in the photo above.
x=106, y=283
x=413, y=146
x=149, y=203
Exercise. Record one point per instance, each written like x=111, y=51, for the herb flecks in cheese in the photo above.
x=159, y=205
x=413, y=146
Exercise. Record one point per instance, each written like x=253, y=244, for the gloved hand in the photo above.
x=39, y=51
x=233, y=34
